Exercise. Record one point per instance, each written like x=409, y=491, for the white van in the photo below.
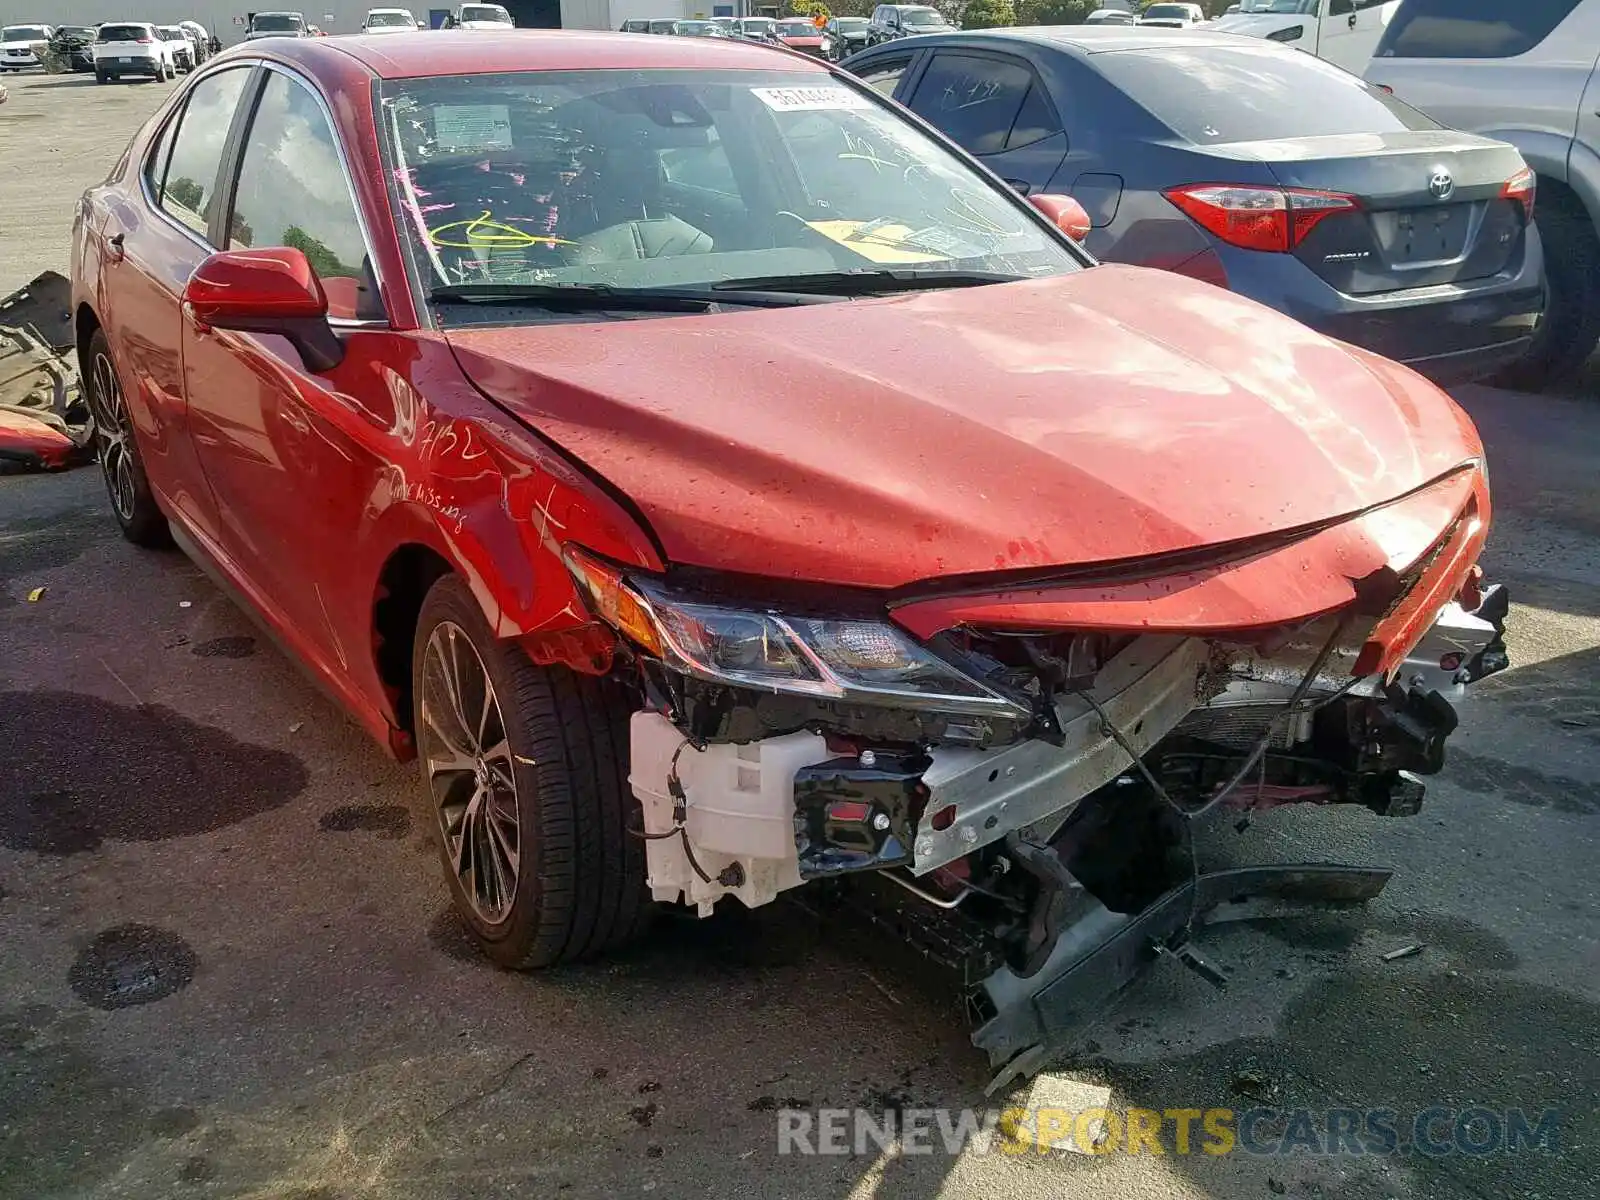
x=1345, y=32
x=389, y=20
x=479, y=16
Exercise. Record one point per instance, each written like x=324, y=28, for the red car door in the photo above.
x=292, y=455
x=152, y=239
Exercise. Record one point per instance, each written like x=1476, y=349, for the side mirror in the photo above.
x=1065, y=213
x=271, y=290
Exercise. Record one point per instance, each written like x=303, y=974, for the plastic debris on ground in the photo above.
x=44, y=419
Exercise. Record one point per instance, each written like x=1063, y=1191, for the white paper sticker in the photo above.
x=472, y=126
x=809, y=99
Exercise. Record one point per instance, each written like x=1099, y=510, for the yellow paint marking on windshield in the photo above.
x=884, y=244
x=481, y=233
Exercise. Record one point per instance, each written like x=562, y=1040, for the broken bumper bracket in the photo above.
x=1103, y=951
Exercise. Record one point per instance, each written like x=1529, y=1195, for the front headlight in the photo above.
x=1290, y=34
x=870, y=662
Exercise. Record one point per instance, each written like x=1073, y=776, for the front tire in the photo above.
x=1570, y=327
x=525, y=770
x=132, y=503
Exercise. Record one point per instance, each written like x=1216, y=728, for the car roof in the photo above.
x=462, y=52
x=1084, y=40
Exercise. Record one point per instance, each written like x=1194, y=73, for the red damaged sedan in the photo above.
x=721, y=484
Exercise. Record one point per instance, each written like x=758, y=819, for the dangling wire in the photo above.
x=1256, y=757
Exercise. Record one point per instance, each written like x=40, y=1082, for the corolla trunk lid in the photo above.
x=1430, y=207
x=1103, y=415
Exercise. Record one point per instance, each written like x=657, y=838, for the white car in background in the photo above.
x=23, y=46
x=389, y=20
x=480, y=16
x=183, y=51
x=277, y=24
x=1173, y=16
x=1344, y=32
x=132, y=48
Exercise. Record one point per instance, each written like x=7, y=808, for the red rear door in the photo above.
x=152, y=239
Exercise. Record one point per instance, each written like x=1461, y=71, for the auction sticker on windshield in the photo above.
x=809, y=99
x=472, y=126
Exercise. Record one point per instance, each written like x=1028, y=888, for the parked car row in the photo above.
x=522, y=426
x=111, y=49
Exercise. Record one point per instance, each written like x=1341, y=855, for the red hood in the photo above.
x=1102, y=415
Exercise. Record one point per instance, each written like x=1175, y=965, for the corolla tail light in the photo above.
x=1258, y=218
x=1521, y=187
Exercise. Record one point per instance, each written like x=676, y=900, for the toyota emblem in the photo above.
x=1440, y=185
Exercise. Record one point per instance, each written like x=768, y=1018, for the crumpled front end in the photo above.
x=1004, y=777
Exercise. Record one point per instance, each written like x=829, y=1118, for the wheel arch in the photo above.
x=410, y=570
x=85, y=321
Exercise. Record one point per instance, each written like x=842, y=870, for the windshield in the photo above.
x=123, y=33
x=1169, y=11
x=696, y=28
x=920, y=16
x=171, y=33
x=1278, y=6
x=277, y=23
x=390, y=20
x=24, y=33
x=486, y=12
x=756, y=24
x=673, y=179
x=798, y=29
x=849, y=24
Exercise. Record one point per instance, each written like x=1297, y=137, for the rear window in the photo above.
x=277, y=22
x=1471, y=28
x=1245, y=94
x=1181, y=11
x=123, y=33
x=485, y=12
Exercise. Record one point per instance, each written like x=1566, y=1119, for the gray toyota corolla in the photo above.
x=1256, y=167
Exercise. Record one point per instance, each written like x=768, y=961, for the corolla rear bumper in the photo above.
x=1452, y=333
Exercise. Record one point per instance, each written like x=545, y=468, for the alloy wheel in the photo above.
x=113, y=431
x=464, y=748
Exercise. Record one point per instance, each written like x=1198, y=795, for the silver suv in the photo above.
x=1523, y=72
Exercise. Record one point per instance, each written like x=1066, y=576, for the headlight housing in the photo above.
x=869, y=662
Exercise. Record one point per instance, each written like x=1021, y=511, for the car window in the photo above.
x=1471, y=28
x=123, y=33
x=1035, y=121
x=292, y=191
x=883, y=76
x=1246, y=93
x=974, y=100
x=657, y=178
x=276, y=23
x=188, y=189
x=155, y=163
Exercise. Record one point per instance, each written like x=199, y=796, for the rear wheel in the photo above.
x=526, y=776
x=1570, y=327
x=132, y=502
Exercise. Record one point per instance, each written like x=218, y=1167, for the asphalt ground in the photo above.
x=227, y=965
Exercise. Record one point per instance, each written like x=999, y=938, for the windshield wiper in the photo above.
x=591, y=297
x=869, y=281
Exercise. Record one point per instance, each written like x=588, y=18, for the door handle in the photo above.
x=1021, y=186
x=114, y=249
x=1352, y=21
